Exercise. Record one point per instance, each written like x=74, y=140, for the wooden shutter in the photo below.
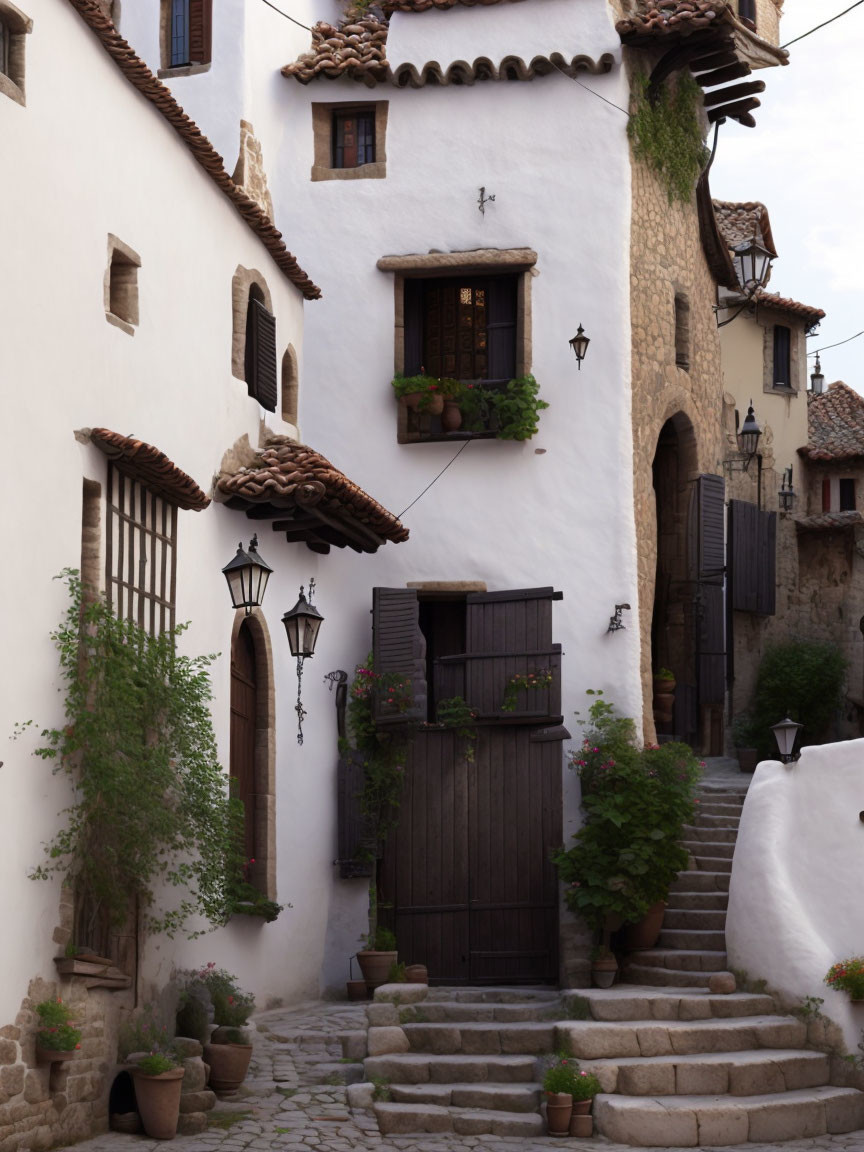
x=261, y=355
x=766, y=601
x=712, y=647
x=501, y=327
x=413, y=320
x=707, y=515
x=752, y=558
x=200, y=31
x=353, y=837
x=398, y=646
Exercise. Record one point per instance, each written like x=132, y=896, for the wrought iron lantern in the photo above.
x=579, y=344
x=752, y=262
x=817, y=380
x=302, y=625
x=247, y=575
x=785, y=733
x=748, y=437
x=787, y=494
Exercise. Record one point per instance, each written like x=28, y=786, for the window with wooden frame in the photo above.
x=349, y=141
x=782, y=360
x=14, y=28
x=353, y=137
x=260, y=358
x=187, y=34
x=682, y=331
x=140, y=554
x=747, y=10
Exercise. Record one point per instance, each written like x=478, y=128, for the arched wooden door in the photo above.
x=244, y=708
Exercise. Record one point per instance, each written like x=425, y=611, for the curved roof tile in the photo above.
x=835, y=425
x=153, y=468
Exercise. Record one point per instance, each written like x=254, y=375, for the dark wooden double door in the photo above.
x=468, y=872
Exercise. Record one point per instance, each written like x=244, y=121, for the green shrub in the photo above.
x=802, y=679
x=56, y=1033
x=666, y=132
x=383, y=940
x=397, y=974
x=157, y=1062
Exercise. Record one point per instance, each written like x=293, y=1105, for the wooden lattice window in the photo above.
x=462, y=327
x=141, y=553
x=353, y=137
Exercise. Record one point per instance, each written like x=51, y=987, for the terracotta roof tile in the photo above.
x=425, y=5
x=662, y=17
x=829, y=521
x=792, y=307
x=294, y=478
x=742, y=220
x=153, y=468
x=140, y=77
x=359, y=51
x=835, y=425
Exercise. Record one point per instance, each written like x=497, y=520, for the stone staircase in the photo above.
x=680, y=1063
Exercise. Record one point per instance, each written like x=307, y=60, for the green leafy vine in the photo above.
x=666, y=132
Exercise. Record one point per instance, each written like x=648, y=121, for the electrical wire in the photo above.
x=804, y=35
x=438, y=477
x=611, y=103
x=839, y=342
x=287, y=17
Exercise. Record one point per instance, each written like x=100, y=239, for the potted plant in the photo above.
x=664, y=696
x=585, y=1088
x=229, y=1050
x=848, y=976
x=744, y=739
x=56, y=1039
x=451, y=417
x=377, y=958
x=604, y=966
x=420, y=393
x=559, y=1083
x=517, y=409
x=158, y=1079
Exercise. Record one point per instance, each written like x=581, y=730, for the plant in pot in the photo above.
x=421, y=393
x=229, y=1050
x=848, y=976
x=56, y=1038
x=517, y=409
x=664, y=697
x=451, y=417
x=158, y=1080
x=559, y=1084
x=378, y=957
x=744, y=739
x=585, y=1088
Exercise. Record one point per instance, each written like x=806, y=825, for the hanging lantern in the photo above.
x=787, y=494
x=785, y=733
x=817, y=380
x=752, y=262
x=749, y=435
x=302, y=625
x=579, y=344
x=247, y=575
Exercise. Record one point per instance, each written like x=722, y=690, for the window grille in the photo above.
x=353, y=138
x=179, y=33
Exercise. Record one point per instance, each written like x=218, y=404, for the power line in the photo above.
x=825, y=23
x=839, y=342
x=291, y=18
x=438, y=477
x=611, y=103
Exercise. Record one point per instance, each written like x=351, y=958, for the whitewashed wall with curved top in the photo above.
x=795, y=904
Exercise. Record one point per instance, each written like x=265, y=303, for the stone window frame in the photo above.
x=290, y=386
x=17, y=27
x=120, y=285
x=167, y=71
x=322, y=138
x=796, y=339
x=682, y=330
x=241, y=286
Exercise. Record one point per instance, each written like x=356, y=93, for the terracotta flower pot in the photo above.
x=357, y=990
x=559, y=1109
x=158, y=1100
x=748, y=759
x=581, y=1125
x=229, y=1064
x=604, y=970
x=430, y=402
x=643, y=935
x=376, y=966
x=582, y=1107
x=53, y=1055
x=451, y=417
x=417, y=974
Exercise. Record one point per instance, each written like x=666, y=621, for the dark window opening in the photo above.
x=826, y=494
x=179, y=33
x=747, y=9
x=782, y=376
x=353, y=137
x=682, y=331
x=4, y=49
x=443, y=624
x=847, y=495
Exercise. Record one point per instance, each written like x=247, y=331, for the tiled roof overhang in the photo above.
x=425, y=5
x=835, y=426
x=308, y=499
x=141, y=78
x=810, y=315
x=143, y=462
x=741, y=220
x=829, y=522
x=358, y=51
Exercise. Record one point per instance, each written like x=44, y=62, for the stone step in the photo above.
x=424, y=1068
x=481, y=1039
x=713, y=1073
x=632, y=1003
x=683, y=960
x=402, y=1119
x=713, y=835
x=713, y=849
x=491, y=1097
x=709, y=1122
x=718, y=808
x=450, y=1011
x=592, y=1040
x=697, y=901
x=712, y=863
x=663, y=977
x=701, y=880
x=692, y=939
x=716, y=820
x=695, y=919
x=491, y=995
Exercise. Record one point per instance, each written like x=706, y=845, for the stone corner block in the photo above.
x=353, y=1045
x=402, y=993
x=186, y=1046
x=382, y=1015
x=384, y=1041
x=361, y=1095
x=721, y=983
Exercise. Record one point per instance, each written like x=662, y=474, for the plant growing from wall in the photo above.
x=666, y=132
x=803, y=679
x=56, y=1032
x=636, y=801
x=150, y=804
x=457, y=713
x=527, y=682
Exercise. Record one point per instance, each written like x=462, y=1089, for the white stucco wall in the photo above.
x=794, y=903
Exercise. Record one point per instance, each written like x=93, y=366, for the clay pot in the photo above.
x=229, y=1064
x=357, y=990
x=417, y=974
x=582, y=1125
x=158, y=1100
x=559, y=1109
x=451, y=417
x=431, y=403
x=641, y=936
x=748, y=759
x=376, y=966
x=604, y=970
x=52, y=1055
x=582, y=1107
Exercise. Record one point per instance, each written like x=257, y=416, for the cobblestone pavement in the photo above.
x=295, y=1100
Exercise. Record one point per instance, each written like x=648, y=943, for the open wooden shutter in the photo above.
x=510, y=633
x=752, y=558
x=261, y=355
x=413, y=321
x=712, y=645
x=398, y=646
x=353, y=836
x=766, y=603
x=200, y=31
x=707, y=516
x=501, y=327
x=708, y=570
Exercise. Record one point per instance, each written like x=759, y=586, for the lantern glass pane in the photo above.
x=260, y=576
x=235, y=586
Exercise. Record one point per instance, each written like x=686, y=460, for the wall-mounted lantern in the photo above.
x=579, y=344
x=749, y=436
x=247, y=575
x=787, y=494
x=752, y=262
x=302, y=625
x=817, y=380
x=785, y=733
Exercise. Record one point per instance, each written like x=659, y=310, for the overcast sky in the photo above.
x=805, y=161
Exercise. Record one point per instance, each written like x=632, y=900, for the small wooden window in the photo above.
x=14, y=28
x=353, y=137
x=260, y=361
x=189, y=32
x=782, y=361
x=682, y=331
x=464, y=327
x=847, y=495
x=826, y=494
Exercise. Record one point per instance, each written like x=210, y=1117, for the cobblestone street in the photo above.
x=295, y=1099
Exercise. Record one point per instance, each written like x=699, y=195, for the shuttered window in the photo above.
x=782, y=375
x=752, y=558
x=708, y=570
x=190, y=32
x=4, y=48
x=398, y=647
x=260, y=365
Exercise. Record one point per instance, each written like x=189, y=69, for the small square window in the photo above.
x=349, y=141
x=14, y=27
x=847, y=495
x=353, y=138
x=121, y=285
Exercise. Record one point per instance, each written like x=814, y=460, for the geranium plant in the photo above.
x=529, y=681
x=562, y=1076
x=427, y=388
x=847, y=976
x=56, y=1033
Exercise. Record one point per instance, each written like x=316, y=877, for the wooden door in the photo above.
x=243, y=719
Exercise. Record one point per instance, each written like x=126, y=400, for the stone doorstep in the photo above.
x=634, y=1003
x=402, y=1119
x=738, y=1074
x=683, y=959
x=593, y=1040
x=422, y=1068
x=481, y=1039
x=712, y=835
x=447, y=1012
x=700, y=919
x=491, y=1097
x=712, y=863
x=711, y=1121
x=638, y=974
x=491, y=995
x=701, y=880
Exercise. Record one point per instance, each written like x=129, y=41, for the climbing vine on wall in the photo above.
x=666, y=132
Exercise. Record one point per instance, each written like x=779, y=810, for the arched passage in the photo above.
x=253, y=758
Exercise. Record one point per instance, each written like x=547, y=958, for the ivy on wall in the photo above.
x=666, y=132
